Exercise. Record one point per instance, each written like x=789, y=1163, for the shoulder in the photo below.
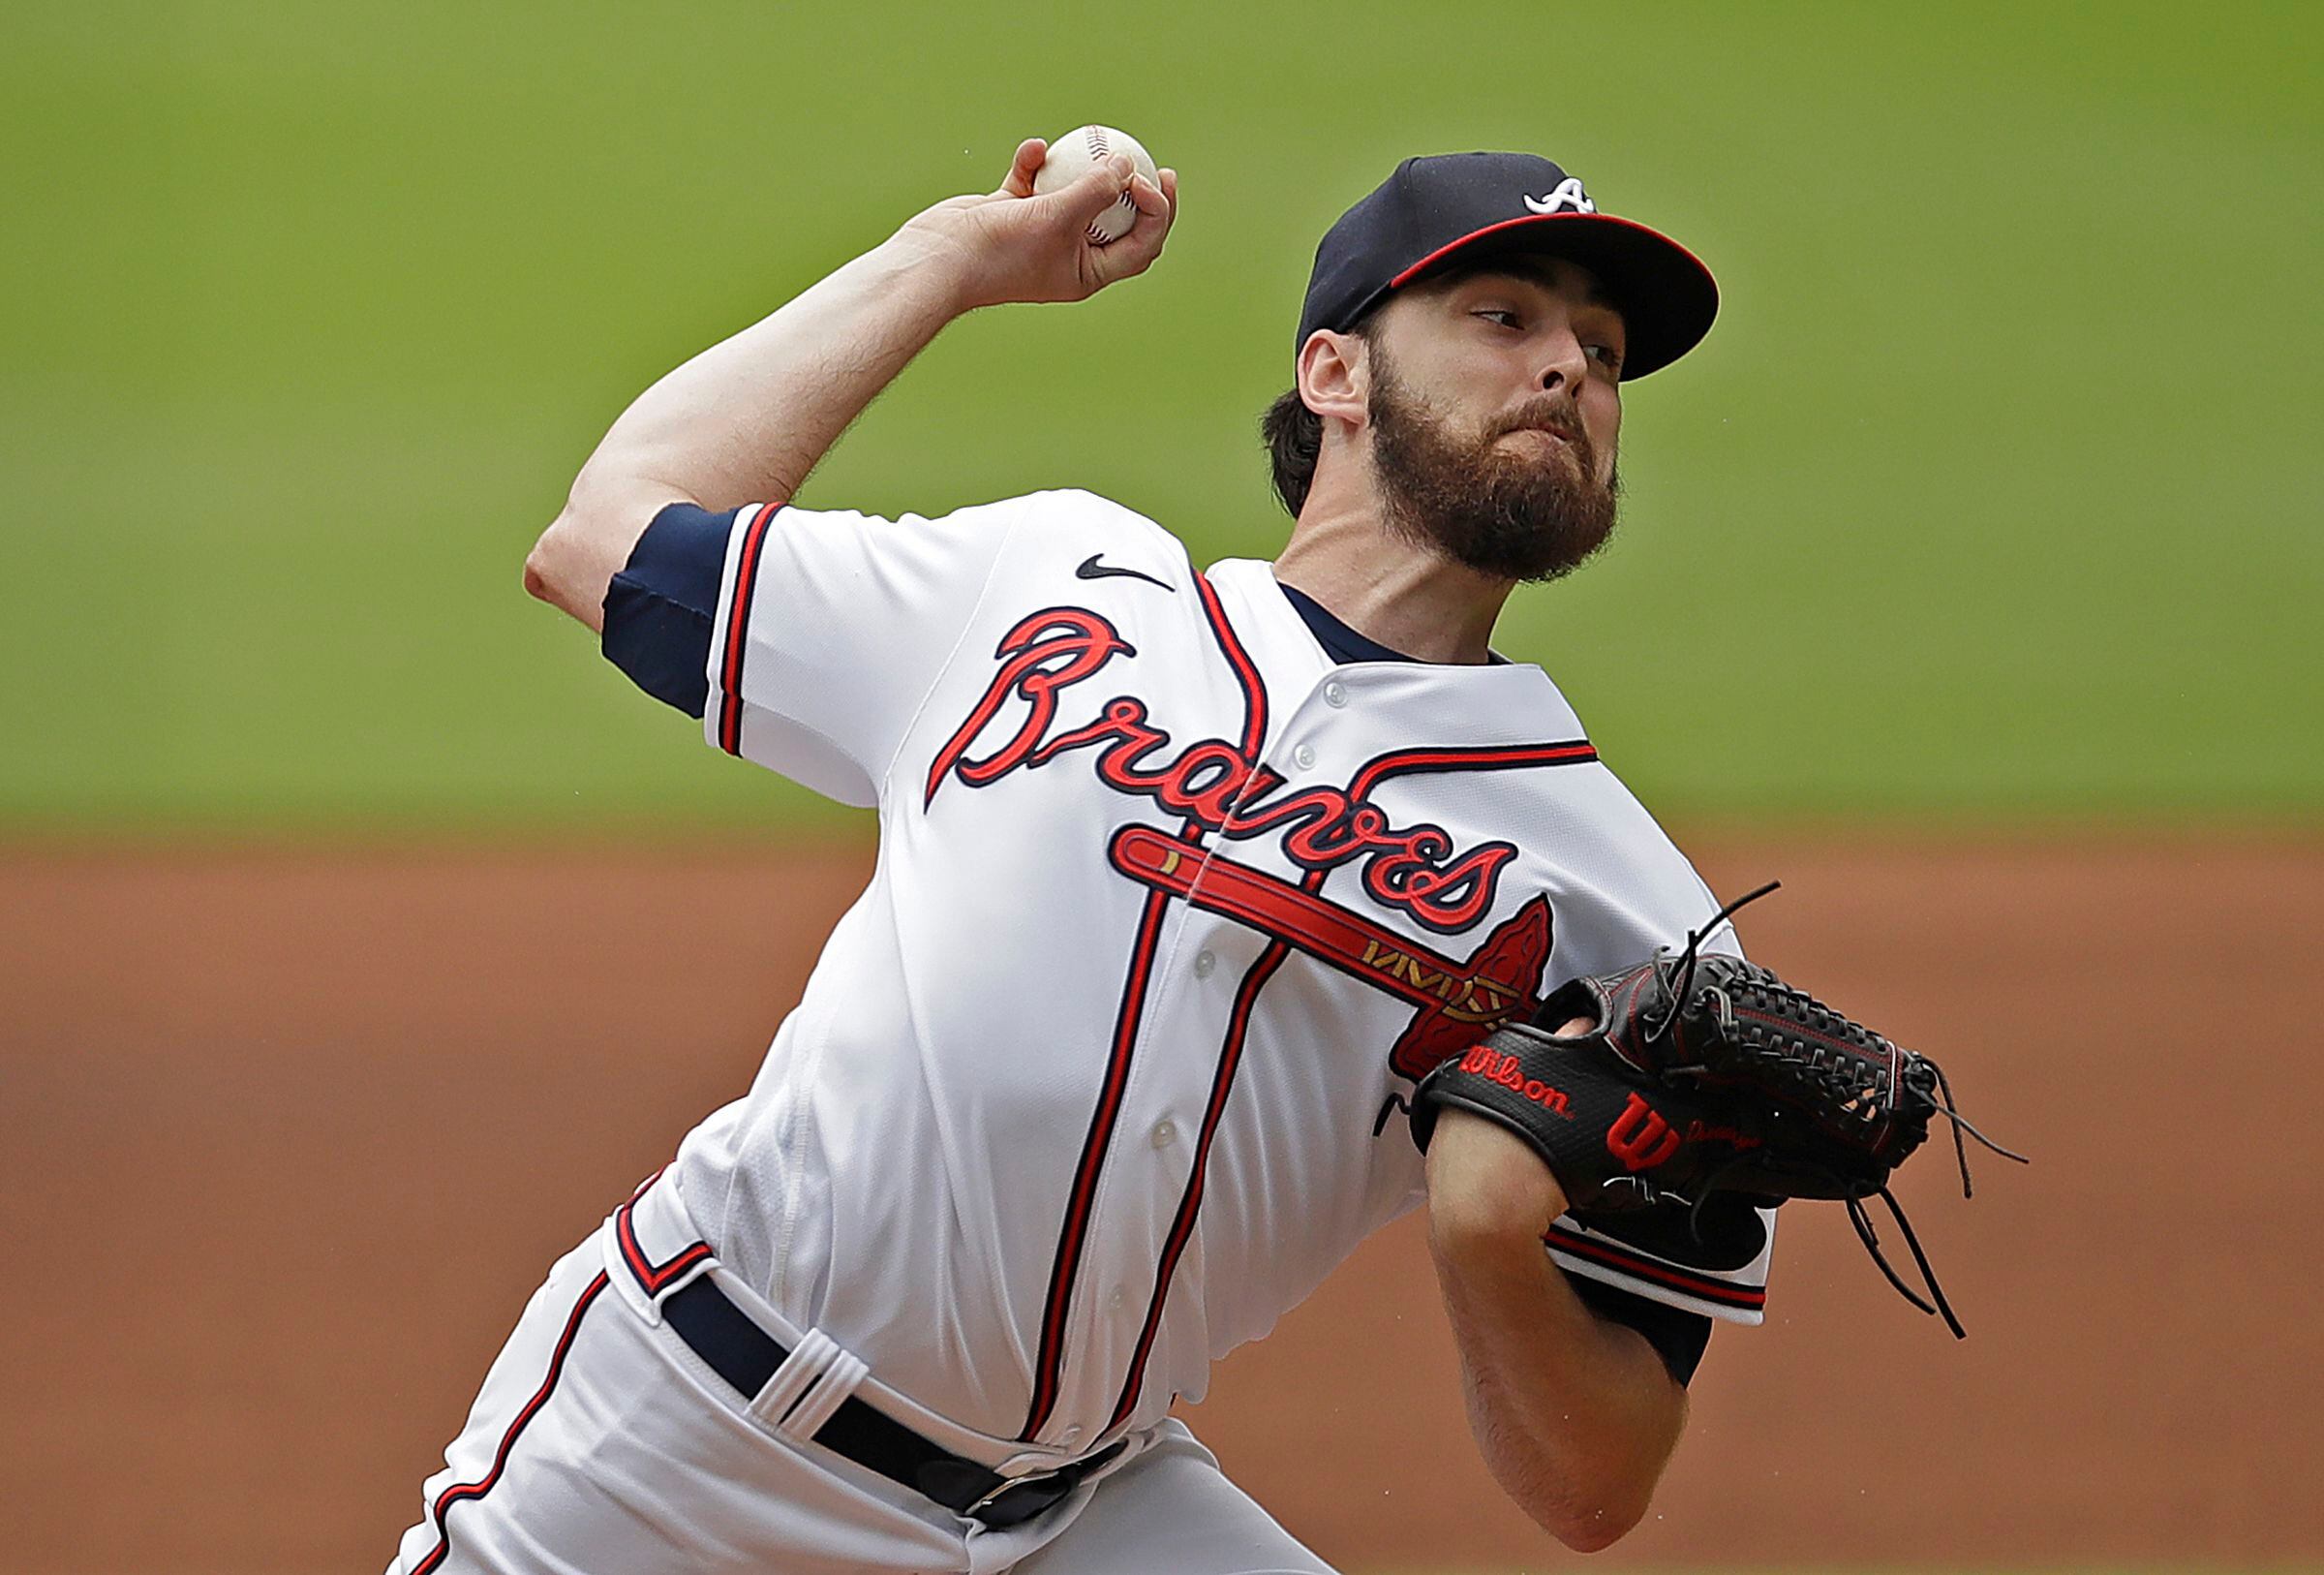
x=1017, y=530
x=1073, y=513
x=1069, y=540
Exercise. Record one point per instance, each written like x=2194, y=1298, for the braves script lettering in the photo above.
x=1415, y=869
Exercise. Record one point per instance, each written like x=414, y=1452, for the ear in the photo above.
x=1336, y=376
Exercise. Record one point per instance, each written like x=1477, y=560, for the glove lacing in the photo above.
x=1834, y=1086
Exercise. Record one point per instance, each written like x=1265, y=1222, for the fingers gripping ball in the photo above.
x=1075, y=154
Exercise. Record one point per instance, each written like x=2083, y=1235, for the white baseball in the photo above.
x=1071, y=156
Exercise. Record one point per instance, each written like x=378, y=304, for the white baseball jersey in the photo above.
x=1083, y=1092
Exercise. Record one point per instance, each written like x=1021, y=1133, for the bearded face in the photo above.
x=1527, y=507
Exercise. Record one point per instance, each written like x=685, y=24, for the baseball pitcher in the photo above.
x=1220, y=916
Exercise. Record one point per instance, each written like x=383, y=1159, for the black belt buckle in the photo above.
x=1020, y=1498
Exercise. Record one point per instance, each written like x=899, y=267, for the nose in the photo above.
x=1565, y=363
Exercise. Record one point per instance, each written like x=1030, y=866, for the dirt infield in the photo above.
x=289, y=1139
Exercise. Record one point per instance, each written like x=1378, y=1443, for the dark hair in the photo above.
x=1293, y=436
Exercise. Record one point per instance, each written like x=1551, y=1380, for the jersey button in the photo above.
x=1336, y=693
x=1204, y=964
x=1304, y=757
x=1165, y=1134
x=1071, y=1435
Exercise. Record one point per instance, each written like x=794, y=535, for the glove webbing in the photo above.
x=1830, y=1083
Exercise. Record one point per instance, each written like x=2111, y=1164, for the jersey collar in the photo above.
x=1457, y=700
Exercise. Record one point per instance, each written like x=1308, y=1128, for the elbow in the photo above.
x=574, y=562
x=558, y=571
x=536, y=571
x=1598, y=1529
x=1593, y=1511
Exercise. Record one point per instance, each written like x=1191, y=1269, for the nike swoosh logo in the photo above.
x=1090, y=568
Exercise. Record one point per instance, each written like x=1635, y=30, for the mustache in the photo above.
x=1556, y=416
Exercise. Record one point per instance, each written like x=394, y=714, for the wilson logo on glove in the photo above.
x=1639, y=1138
x=1483, y=1062
x=1759, y=1092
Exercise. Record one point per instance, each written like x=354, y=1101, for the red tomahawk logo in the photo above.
x=1459, y=1002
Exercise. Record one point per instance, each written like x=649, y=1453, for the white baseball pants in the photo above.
x=600, y=1444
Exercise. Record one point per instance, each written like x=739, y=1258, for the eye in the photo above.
x=1500, y=317
x=1605, y=356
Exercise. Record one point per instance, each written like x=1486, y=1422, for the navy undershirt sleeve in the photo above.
x=1679, y=1337
x=659, y=608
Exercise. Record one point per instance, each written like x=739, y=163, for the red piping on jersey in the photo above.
x=477, y=1489
x=1050, y=1359
x=738, y=629
x=1072, y=1238
x=1182, y=1229
x=651, y=1277
x=1246, y=672
x=1491, y=757
x=1723, y=1291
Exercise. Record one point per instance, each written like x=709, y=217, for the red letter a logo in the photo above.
x=1639, y=1138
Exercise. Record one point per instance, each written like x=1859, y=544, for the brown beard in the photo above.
x=1511, y=517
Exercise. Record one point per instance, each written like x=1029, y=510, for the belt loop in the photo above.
x=830, y=1390
x=657, y=1275
x=807, y=1386
x=810, y=1394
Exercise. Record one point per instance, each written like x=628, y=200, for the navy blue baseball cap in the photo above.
x=1461, y=206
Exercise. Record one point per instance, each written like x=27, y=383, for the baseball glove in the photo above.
x=1707, y=1083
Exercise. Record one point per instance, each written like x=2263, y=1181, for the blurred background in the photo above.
x=364, y=935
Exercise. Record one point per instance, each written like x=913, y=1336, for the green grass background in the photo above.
x=1993, y=494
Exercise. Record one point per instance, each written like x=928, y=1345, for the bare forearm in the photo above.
x=748, y=418
x=1575, y=1416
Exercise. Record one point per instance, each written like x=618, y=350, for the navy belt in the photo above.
x=746, y=1356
